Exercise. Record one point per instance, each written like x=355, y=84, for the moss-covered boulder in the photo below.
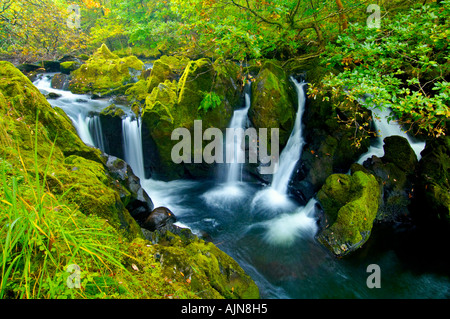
x=177, y=104
x=69, y=66
x=74, y=169
x=433, y=193
x=104, y=72
x=273, y=99
x=350, y=205
x=207, y=270
x=60, y=81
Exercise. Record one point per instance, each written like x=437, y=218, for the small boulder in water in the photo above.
x=53, y=96
x=60, y=81
x=159, y=217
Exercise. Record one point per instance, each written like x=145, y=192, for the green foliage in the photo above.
x=36, y=29
x=403, y=66
x=210, y=101
x=41, y=235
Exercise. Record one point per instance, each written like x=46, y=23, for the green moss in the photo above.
x=113, y=111
x=138, y=91
x=210, y=271
x=176, y=63
x=160, y=72
x=350, y=205
x=69, y=66
x=76, y=170
x=272, y=105
x=104, y=72
x=196, y=79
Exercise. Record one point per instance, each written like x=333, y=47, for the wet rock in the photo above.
x=395, y=172
x=433, y=189
x=51, y=66
x=273, y=101
x=350, y=205
x=159, y=217
x=60, y=81
x=53, y=96
x=111, y=121
x=135, y=198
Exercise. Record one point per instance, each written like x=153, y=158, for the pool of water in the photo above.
x=274, y=241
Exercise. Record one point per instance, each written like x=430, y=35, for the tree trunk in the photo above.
x=342, y=18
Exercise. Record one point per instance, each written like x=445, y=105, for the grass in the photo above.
x=41, y=236
x=45, y=240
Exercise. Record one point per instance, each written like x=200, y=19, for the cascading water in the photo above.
x=293, y=150
x=233, y=189
x=386, y=129
x=236, y=145
x=95, y=129
x=78, y=108
x=279, y=252
x=132, y=141
x=277, y=193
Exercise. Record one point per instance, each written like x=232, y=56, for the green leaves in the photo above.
x=402, y=66
x=210, y=101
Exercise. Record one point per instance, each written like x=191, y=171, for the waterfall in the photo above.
x=95, y=129
x=276, y=196
x=293, y=150
x=236, y=145
x=78, y=108
x=132, y=141
x=385, y=129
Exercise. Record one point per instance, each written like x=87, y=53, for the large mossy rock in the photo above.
x=273, y=101
x=176, y=104
x=74, y=169
x=207, y=269
x=105, y=72
x=69, y=66
x=350, y=205
x=433, y=198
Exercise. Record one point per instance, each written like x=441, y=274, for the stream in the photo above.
x=266, y=231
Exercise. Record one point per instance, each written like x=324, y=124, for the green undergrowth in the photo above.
x=47, y=244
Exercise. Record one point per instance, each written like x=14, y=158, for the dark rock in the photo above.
x=135, y=198
x=159, y=218
x=60, y=81
x=51, y=66
x=53, y=96
x=111, y=121
x=433, y=190
x=398, y=151
x=28, y=67
x=395, y=172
